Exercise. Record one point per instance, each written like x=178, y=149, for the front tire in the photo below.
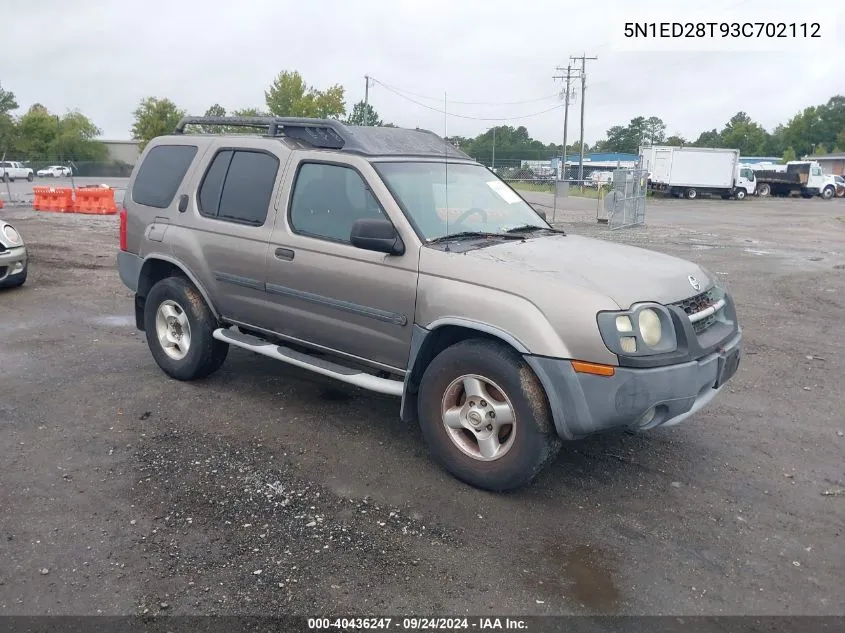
x=740, y=194
x=179, y=328
x=828, y=193
x=30, y=177
x=485, y=416
x=691, y=194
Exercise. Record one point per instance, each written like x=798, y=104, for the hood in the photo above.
x=545, y=265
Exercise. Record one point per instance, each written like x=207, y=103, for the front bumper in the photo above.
x=583, y=404
x=12, y=264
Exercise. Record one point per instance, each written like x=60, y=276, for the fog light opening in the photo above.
x=18, y=267
x=646, y=418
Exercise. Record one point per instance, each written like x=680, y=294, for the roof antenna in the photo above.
x=446, y=162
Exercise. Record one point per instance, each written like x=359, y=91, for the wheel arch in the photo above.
x=428, y=342
x=154, y=269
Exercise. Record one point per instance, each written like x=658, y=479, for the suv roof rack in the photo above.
x=318, y=132
x=332, y=134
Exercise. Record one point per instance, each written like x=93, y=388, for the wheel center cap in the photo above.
x=474, y=418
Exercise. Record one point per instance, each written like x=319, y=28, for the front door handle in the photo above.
x=285, y=254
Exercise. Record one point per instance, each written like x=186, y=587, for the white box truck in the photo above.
x=691, y=171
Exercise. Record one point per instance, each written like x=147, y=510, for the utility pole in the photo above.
x=569, y=76
x=583, y=59
x=366, y=99
x=493, y=167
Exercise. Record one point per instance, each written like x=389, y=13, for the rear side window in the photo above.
x=161, y=173
x=238, y=186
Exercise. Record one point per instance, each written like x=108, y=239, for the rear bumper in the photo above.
x=12, y=263
x=129, y=267
x=583, y=404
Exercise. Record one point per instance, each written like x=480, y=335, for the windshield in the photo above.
x=472, y=199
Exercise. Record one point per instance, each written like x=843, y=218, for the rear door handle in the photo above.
x=284, y=254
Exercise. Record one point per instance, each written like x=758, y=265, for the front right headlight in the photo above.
x=643, y=330
x=651, y=330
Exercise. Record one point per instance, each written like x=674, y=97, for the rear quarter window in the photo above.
x=161, y=173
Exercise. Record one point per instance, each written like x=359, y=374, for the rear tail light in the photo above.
x=123, y=228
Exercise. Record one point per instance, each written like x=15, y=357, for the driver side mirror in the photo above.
x=376, y=235
x=541, y=213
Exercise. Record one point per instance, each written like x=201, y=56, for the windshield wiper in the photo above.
x=477, y=234
x=526, y=228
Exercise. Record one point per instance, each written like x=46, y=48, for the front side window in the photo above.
x=328, y=199
x=443, y=199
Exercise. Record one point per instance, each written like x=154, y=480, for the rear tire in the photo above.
x=764, y=190
x=691, y=194
x=179, y=328
x=484, y=450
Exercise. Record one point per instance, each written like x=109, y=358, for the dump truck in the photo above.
x=797, y=176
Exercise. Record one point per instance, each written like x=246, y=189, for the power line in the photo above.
x=493, y=103
x=464, y=116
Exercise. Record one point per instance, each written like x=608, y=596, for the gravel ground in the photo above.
x=269, y=490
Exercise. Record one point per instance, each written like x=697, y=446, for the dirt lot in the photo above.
x=268, y=490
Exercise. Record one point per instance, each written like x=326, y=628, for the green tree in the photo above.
x=8, y=104
x=655, y=130
x=42, y=136
x=36, y=134
x=821, y=150
x=789, y=154
x=155, y=117
x=840, y=141
x=710, y=138
x=364, y=114
x=289, y=95
x=76, y=138
x=744, y=134
x=676, y=140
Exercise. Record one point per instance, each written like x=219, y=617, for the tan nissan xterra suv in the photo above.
x=390, y=260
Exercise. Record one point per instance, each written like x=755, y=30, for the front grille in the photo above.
x=696, y=304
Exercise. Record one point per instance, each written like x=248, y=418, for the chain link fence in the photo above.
x=623, y=205
x=78, y=168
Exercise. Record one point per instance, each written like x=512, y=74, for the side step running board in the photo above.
x=317, y=365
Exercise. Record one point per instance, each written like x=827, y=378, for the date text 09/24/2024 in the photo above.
x=418, y=624
x=780, y=30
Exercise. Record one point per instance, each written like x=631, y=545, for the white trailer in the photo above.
x=691, y=171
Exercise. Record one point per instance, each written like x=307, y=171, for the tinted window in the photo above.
x=327, y=199
x=248, y=187
x=212, y=183
x=161, y=174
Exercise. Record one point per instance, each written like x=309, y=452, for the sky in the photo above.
x=483, y=62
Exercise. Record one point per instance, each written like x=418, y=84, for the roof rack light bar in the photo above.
x=318, y=132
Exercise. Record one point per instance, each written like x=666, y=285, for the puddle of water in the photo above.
x=754, y=251
x=702, y=247
x=115, y=321
x=583, y=576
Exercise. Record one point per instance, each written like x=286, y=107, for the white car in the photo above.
x=55, y=171
x=601, y=178
x=13, y=257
